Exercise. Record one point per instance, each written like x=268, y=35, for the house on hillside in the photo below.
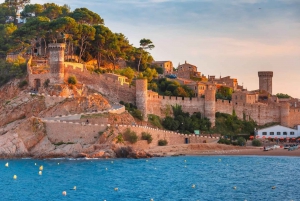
x=187, y=71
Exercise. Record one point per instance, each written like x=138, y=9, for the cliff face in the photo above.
x=23, y=132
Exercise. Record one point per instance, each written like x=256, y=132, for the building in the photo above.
x=167, y=66
x=278, y=132
x=187, y=71
x=224, y=81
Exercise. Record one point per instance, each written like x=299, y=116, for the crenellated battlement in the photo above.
x=58, y=46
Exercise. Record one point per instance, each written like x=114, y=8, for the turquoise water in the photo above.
x=160, y=179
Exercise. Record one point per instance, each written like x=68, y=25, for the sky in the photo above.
x=234, y=38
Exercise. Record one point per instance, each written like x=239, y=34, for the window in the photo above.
x=278, y=133
x=284, y=133
x=292, y=133
x=264, y=133
x=271, y=133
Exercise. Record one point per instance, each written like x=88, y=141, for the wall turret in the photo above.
x=285, y=114
x=141, y=96
x=56, y=61
x=210, y=104
x=265, y=81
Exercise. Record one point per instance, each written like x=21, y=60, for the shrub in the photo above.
x=256, y=143
x=137, y=114
x=241, y=141
x=120, y=138
x=147, y=136
x=22, y=83
x=224, y=141
x=72, y=80
x=162, y=142
x=130, y=136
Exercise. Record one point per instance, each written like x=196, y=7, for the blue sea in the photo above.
x=189, y=178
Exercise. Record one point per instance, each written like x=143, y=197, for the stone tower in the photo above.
x=265, y=81
x=141, y=96
x=210, y=104
x=56, y=61
x=284, y=114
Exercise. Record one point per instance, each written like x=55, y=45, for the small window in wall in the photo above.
x=271, y=133
x=278, y=133
x=284, y=133
x=264, y=133
x=292, y=133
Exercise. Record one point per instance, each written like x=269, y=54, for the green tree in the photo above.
x=145, y=44
x=281, y=95
x=86, y=33
x=150, y=74
x=85, y=16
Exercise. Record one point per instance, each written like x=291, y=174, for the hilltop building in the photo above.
x=278, y=132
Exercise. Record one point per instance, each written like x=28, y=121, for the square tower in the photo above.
x=265, y=81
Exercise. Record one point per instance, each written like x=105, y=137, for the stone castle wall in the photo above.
x=294, y=117
x=159, y=105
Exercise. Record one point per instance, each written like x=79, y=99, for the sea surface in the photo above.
x=189, y=178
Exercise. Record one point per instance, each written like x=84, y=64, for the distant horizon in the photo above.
x=235, y=38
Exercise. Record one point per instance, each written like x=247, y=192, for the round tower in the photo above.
x=265, y=81
x=285, y=114
x=56, y=61
x=210, y=104
x=141, y=96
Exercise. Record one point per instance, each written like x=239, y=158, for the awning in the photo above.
x=287, y=138
x=263, y=137
x=275, y=137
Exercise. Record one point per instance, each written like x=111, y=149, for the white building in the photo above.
x=278, y=132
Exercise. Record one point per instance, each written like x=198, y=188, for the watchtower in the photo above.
x=265, y=81
x=285, y=114
x=210, y=104
x=56, y=61
x=141, y=96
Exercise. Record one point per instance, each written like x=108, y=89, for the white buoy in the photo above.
x=74, y=188
x=220, y=160
x=234, y=187
x=112, y=162
x=15, y=177
x=193, y=186
x=151, y=199
x=57, y=163
x=146, y=160
x=185, y=166
x=34, y=163
x=40, y=172
x=41, y=168
x=185, y=161
x=273, y=187
x=6, y=164
x=105, y=168
x=64, y=193
x=116, y=189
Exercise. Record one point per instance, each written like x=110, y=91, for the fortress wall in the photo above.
x=224, y=106
x=72, y=132
x=294, y=117
x=107, y=86
x=172, y=137
x=157, y=104
x=261, y=113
